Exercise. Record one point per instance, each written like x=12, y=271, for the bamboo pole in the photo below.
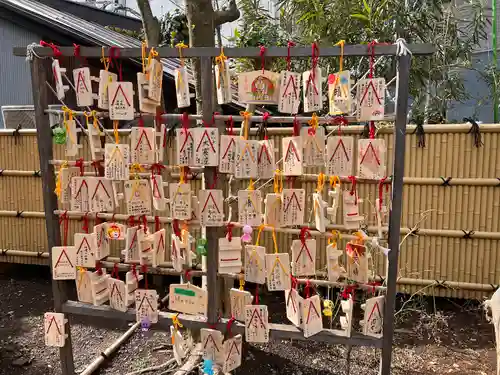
x=16, y=173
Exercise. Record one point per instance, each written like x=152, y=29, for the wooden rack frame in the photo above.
x=39, y=70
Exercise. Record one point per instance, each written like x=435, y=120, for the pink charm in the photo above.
x=247, y=234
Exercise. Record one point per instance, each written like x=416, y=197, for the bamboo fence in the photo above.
x=453, y=249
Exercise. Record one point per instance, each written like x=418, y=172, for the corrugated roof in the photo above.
x=90, y=32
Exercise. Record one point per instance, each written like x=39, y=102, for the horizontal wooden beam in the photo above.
x=166, y=52
x=276, y=331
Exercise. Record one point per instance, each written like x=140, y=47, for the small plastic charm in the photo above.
x=114, y=232
x=145, y=324
x=208, y=367
x=201, y=247
x=59, y=135
x=327, y=308
x=247, y=234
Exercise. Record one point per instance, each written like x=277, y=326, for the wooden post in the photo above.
x=395, y=215
x=213, y=234
x=60, y=289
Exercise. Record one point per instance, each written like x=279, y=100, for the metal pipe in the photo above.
x=110, y=350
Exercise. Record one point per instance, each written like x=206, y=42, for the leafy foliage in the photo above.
x=454, y=30
x=174, y=28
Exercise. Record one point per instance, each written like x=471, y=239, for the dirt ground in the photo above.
x=455, y=340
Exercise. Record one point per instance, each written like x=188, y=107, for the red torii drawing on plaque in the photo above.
x=231, y=143
x=81, y=79
x=148, y=301
x=340, y=143
x=213, y=342
x=213, y=200
x=370, y=147
x=376, y=306
x=231, y=350
x=156, y=188
x=161, y=243
x=188, y=135
x=205, y=134
x=120, y=88
x=139, y=141
x=84, y=182
x=113, y=288
x=294, y=195
x=63, y=252
x=53, y=320
x=291, y=299
x=256, y=313
x=292, y=144
x=309, y=312
x=374, y=92
x=259, y=158
x=81, y=244
x=99, y=183
x=292, y=81
x=306, y=248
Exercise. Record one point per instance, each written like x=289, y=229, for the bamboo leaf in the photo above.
x=360, y=16
x=368, y=9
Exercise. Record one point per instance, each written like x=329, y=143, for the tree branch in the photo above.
x=150, y=23
x=227, y=15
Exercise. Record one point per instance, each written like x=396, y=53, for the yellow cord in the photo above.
x=341, y=43
x=180, y=46
x=105, y=60
x=278, y=182
x=221, y=63
x=334, y=180
x=321, y=183
x=242, y=282
x=246, y=117
x=115, y=131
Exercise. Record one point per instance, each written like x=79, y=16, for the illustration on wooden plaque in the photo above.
x=86, y=249
x=371, y=158
x=265, y=159
x=311, y=316
x=55, y=328
x=146, y=305
x=339, y=156
x=294, y=304
x=232, y=353
x=239, y=299
x=206, y=146
x=373, y=319
x=101, y=194
x=63, y=263
x=180, y=201
x=212, y=345
x=188, y=299
x=339, y=93
x=211, y=208
x=313, y=93
x=227, y=155
x=246, y=165
x=293, y=206
x=230, y=255
x=143, y=145
x=250, y=207
x=83, y=87
x=116, y=161
x=292, y=156
x=289, y=92
x=105, y=78
x=256, y=324
x=255, y=264
x=371, y=99
x=313, y=141
x=121, y=100
x=304, y=257
x=138, y=197
x=278, y=271
x=258, y=87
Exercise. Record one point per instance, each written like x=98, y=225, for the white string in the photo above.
x=30, y=51
x=402, y=48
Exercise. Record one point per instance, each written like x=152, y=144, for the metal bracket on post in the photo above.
x=60, y=289
x=395, y=215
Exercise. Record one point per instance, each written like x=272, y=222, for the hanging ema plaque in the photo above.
x=258, y=87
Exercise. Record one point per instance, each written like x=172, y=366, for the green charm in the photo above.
x=201, y=247
x=59, y=135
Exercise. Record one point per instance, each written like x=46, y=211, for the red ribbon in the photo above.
x=144, y=270
x=353, y=188
x=212, y=122
x=288, y=59
x=158, y=118
x=157, y=223
x=256, y=294
x=97, y=165
x=262, y=58
x=134, y=272
x=131, y=221
x=140, y=121
x=55, y=49
x=98, y=267
x=85, y=226
x=187, y=275
x=305, y=233
x=291, y=181
x=79, y=164
x=64, y=220
x=229, y=232
x=381, y=191
x=294, y=282
x=315, y=58
x=213, y=185
x=371, y=133
x=115, y=272
x=175, y=227
x=230, y=123
x=156, y=168
x=145, y=223
x=348, y=291
x=307, y=289
x=296, y=126
x=374, y=284
x=229, y=324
